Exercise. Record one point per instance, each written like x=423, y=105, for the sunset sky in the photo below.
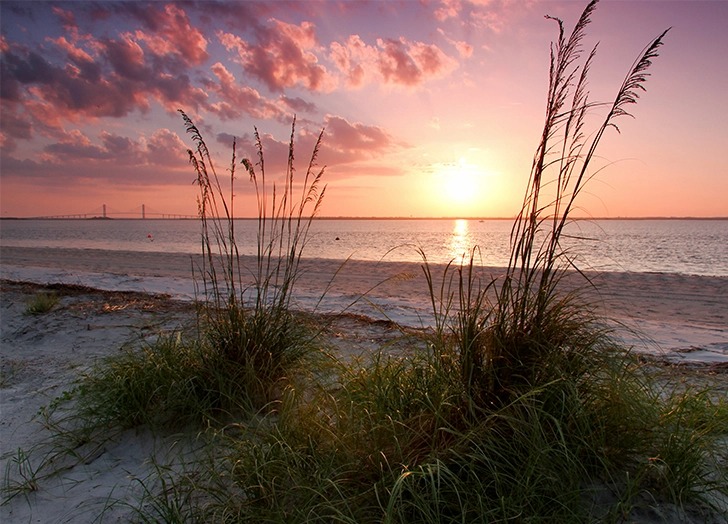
x=430, y=108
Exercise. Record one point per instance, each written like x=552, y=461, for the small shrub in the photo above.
x=42, y=303
x=533, y=318
x=169, y=383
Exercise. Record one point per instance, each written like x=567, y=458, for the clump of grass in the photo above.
x=249, y=345
x=533, y=319
x=252, y=326
x=536, y=366
x=391, y=441
x=332, y=452
x=42, y=303
x=170, y=383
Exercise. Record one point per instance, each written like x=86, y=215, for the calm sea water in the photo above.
x=696, y=247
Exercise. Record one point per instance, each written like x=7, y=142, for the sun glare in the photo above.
x=459, y=183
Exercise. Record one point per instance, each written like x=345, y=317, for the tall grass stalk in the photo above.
x=531, y=310
x=252, y=325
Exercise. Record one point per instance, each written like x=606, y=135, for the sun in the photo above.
x=460, y=183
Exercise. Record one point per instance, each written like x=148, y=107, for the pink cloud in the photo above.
x=409, y=63
x=284, y=56
x=173, y=91
x=121, y=146
x=126, y=57
x=67, y=18
x=351, y=59
x=75, y=146
x=238, y=99
x=490, y=20
x=72, y=92
x=175, y=35
x=76, y=54
x=356, y=138
x=464, y=49
x=107, y=78
x=13, y=126
x=44, y=117
x=393, y=61
x=167, y=30
x=448, y=9
x=298, y=104
x=109, y=158
x=303, y=36
x=164, y=148
x=130, y=62
x=478, y=14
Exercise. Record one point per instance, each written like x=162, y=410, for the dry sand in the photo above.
x=42, y=355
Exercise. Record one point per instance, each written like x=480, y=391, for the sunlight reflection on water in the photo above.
x=697, y=247
x=460, y=241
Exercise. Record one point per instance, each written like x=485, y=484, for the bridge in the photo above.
x=105, y=212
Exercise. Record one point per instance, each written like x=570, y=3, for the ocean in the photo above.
x=664, y=281
x=687, y=247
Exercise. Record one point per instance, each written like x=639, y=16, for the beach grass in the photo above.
x=42, y=303
x=252, y=327
x=392, y=441
x=518, y=405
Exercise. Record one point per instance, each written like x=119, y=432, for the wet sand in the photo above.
x=684, y=315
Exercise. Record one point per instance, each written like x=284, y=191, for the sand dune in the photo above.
x=42, y=355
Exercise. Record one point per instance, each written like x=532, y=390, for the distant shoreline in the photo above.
x=376, y=218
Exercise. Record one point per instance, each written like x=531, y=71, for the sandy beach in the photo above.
x=680, y=318
x=42, y=356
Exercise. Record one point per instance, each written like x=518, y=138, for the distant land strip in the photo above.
x=190, y=217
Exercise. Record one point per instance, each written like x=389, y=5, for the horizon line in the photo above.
x=171, y=216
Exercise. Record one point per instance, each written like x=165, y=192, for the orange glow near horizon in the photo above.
x=466, y=188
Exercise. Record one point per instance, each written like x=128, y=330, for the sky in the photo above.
x=429, y=108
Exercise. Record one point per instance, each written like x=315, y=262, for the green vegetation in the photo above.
x=517, y=406
x=42, y=303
